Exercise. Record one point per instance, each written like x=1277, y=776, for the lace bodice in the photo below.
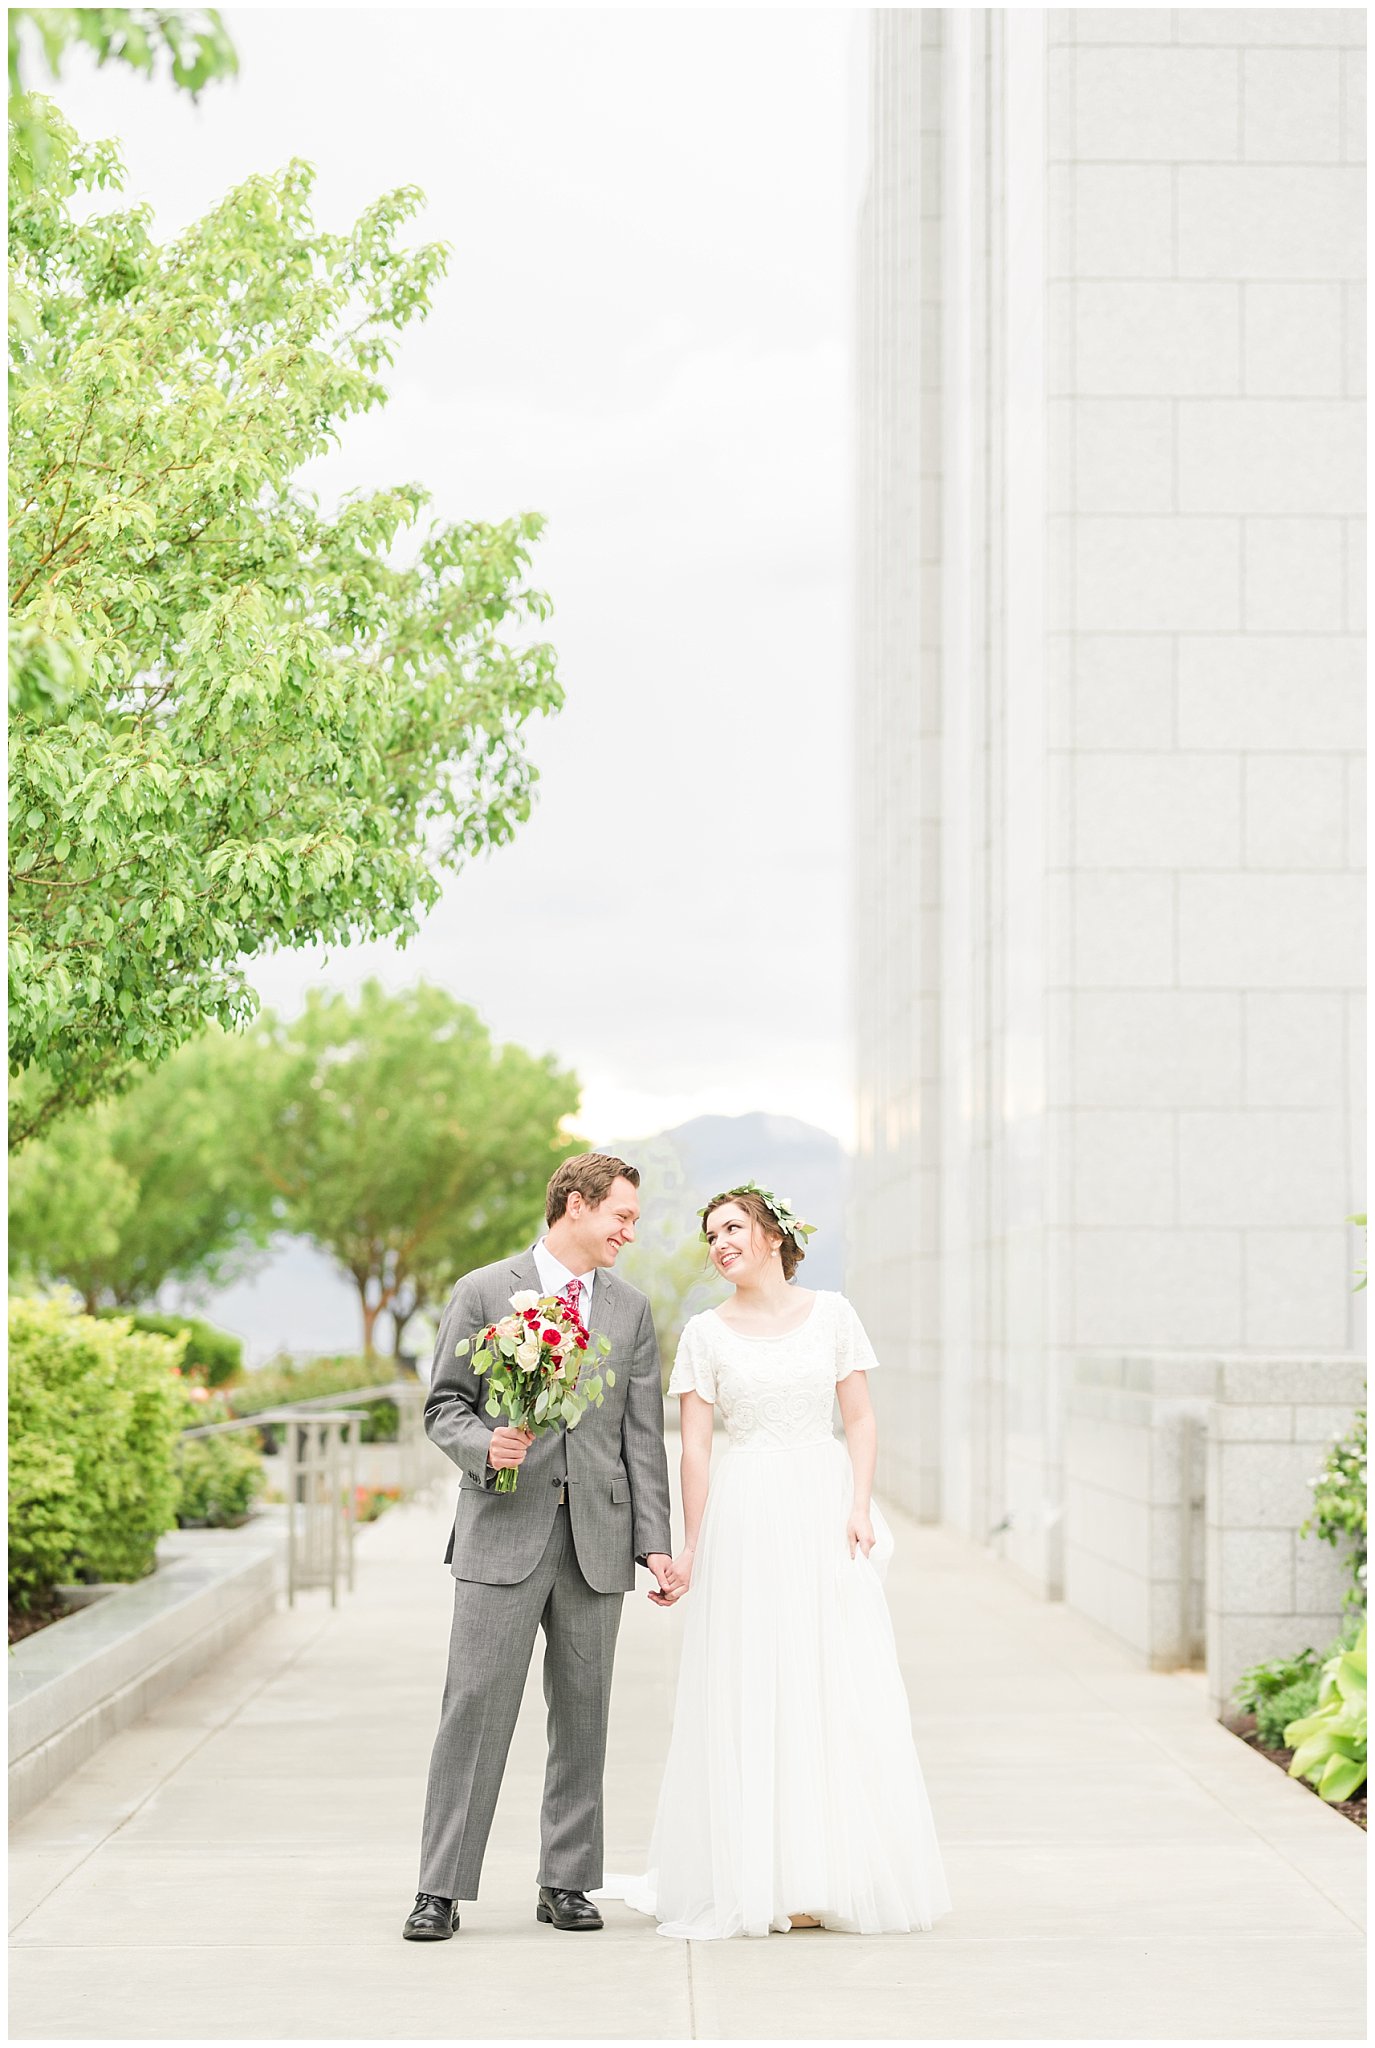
x=773, y=1391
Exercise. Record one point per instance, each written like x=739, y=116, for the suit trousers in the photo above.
x=490, y=1646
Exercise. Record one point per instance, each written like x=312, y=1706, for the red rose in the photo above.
x=581, y=1343
x=531, y=1317
x=552, y=1337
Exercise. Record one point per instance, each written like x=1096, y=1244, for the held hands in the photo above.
x=508, y=1446
x=662, y=1568
x=680, y=1572
x=859, y=1531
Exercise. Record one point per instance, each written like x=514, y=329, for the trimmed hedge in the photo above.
x=219, y=1477
x=95, y=1408
x=214, y=1354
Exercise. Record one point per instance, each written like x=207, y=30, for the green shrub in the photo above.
x=219, y=1478
x=1339, y=1505
x=1329, y=1744
x=44, y=1514
x=95, y=1408
x=1278, y=1709
x=1263, y=1682
x=277, y=1384
x=214, y=1354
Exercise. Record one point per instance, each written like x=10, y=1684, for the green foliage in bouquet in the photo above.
x=1329, y=1744
x=95, y=1409
x=536, y=1386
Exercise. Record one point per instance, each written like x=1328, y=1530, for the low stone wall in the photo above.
x=1187, y=1479
x=77, y=1683
x=1271, y=1591
x=1134, y=1475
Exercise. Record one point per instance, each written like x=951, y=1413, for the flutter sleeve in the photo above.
x=692, y=1368
x=854, y=1352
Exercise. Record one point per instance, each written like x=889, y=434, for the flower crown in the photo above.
x=778, y=1206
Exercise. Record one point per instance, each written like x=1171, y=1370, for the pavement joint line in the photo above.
x=1301, y=1938
x=215, y=1728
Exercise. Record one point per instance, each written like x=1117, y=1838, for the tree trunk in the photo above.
x=370, y=1315
x=398, y=1324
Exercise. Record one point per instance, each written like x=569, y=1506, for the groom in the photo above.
x=558, y=1554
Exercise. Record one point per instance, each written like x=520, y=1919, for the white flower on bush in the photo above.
x=527, y=1298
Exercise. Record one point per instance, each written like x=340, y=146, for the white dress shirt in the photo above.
x=554, y=1277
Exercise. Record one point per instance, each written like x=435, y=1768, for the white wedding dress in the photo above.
x=792, y=1784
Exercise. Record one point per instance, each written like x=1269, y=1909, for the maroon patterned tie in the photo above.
x=572, y=1300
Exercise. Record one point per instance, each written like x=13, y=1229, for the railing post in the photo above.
x=319, y=1450
x=321, y=1467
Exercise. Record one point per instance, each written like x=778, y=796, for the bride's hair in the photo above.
x=754, y=1206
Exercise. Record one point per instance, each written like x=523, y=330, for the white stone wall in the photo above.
x=896, y=965
x=1109, y=720
x=1205, y=426
x=1271, y=1591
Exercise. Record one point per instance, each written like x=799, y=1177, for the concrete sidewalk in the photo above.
x=239, y=1865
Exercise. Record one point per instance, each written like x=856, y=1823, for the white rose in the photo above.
x=527, y=1298
x=528, y=1353
x=510, y=1326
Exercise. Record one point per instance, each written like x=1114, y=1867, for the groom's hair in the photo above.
x=591, y=1173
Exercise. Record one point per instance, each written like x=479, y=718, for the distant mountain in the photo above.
x=793, y=1159
x=296, y=1301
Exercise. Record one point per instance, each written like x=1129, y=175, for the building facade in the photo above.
x=1108, y=779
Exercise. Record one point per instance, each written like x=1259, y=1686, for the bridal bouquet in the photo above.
x=535, y=1359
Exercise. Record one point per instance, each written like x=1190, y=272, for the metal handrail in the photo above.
x=320, y=1438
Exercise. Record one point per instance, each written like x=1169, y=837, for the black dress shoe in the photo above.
x=571, y=1910
x=432, y=1918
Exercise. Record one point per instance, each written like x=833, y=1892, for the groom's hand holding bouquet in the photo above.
x=536, y=1360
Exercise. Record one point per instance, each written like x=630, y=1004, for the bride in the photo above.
x=792, y=1795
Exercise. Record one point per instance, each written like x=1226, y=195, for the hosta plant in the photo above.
x=1330, y=1744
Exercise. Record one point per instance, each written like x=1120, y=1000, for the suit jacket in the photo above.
x=615, y=1460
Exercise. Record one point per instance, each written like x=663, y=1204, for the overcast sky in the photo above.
x=645, y=335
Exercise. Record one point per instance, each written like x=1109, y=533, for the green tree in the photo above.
x=194, y=39
x=240, y=723
x=406, y=1144
x=69, y=1199
x=160, y=1184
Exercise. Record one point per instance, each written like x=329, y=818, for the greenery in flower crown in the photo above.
x=778, y=1206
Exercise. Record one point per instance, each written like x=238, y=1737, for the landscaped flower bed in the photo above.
x=1244, y=1725
x=371, y=1501
x=42, y=1614
x=1318, y=1699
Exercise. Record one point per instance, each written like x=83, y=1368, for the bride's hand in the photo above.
x=859, y=1532
x=680, y=1572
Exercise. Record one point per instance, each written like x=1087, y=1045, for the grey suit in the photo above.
x=522, y=1561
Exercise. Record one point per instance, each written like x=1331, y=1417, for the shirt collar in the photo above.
x=554, y=1275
